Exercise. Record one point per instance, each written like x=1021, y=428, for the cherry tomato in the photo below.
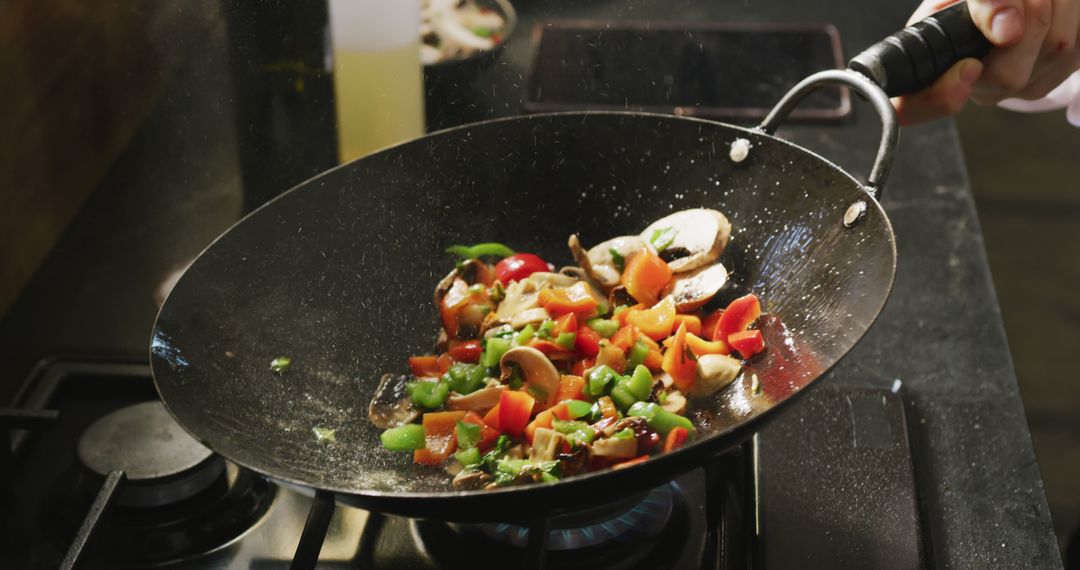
x=519, y=266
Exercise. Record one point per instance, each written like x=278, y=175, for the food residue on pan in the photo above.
x=280, y=364
x=740, y=149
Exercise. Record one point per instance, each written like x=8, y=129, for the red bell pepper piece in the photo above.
x=741, y=313
x=748, y=343
x=488, y=434
x=466, y=350
x=551, y=350
x=587, y=342
x=675, y=438
x=630, y=462
x=515, y=407
x=581, y=366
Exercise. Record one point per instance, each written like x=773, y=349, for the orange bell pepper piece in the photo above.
x=645, y=277
x=565, y=324
x=657, y=322
x=654, y=360
x=700, y=346
x=607, y=407
x=580, y=366
x=425, y=366
x=693, y=324
x=612, y=356
x=577, y=298
x=625, y=338
x=440, y=437
x=570, y=387
x=444, y=361
x=708, y=326
x=679, y=362
x=515, y=407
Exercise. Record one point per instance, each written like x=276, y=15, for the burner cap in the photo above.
x=162, y=463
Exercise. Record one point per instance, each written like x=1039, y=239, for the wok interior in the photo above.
x=338, y=274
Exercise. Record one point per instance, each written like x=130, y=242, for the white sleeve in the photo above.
x=1065, y=96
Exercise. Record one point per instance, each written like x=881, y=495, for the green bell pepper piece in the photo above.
x=638, y=352
x=660, y=419
x=494, y=351
x=566, y=340
x=470, y=456
x=622, y=397
x=430, y=395
x=626, y=433
x=603, y=327
x=404, y=438
x=598, y=379
x=468, y=435
x=577, y=408
x=525, y=335
x=465, y=378
x=545, y=329
x=640, y=383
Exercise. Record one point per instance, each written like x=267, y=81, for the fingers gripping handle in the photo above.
x=913, y=58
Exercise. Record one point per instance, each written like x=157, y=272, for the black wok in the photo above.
x=338, y=273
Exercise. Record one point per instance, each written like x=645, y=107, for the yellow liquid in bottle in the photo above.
x=380, y=99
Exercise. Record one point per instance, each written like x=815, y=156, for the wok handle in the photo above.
x=913, y=58
x=890, y=132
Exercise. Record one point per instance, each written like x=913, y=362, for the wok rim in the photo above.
x=675, y=462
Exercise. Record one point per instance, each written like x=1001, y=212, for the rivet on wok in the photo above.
x=854, y=213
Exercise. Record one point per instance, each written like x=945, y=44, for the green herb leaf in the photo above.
x=617, y=259
x=324, y=435
x=662, y=238
x=280, y=364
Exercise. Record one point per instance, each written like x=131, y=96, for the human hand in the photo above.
x=1035, y=50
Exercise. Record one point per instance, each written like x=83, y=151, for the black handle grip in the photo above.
x=913, y=58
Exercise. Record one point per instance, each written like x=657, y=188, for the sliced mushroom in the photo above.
x=693, y=289
x=674, y=402
x=714, y=372
x=538, y=371
x=600, y=261
x=469, y=272
x=528, y=317
x=697, y=237
x=481, y=400
x=391, y=406
x=545, y=443
x=468, y=480
x=615, y=447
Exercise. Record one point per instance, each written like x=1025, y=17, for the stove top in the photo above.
x=98, y=475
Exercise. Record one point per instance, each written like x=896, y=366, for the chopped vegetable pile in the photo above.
x=457, y=29
x=542, y=375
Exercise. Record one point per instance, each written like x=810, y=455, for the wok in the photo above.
x=338, y=272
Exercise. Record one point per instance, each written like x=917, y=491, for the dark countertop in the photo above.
x=940, y=335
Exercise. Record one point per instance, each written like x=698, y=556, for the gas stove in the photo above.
x=99, y=475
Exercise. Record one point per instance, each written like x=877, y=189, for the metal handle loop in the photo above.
x=890, y=133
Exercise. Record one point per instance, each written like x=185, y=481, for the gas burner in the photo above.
x=646, y=519
x=641, y=532
x=162, y=464
x=178, y=500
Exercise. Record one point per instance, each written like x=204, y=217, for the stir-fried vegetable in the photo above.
x=545, y=375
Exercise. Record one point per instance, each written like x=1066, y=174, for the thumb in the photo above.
x=1001, y=21
x=947, y=96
